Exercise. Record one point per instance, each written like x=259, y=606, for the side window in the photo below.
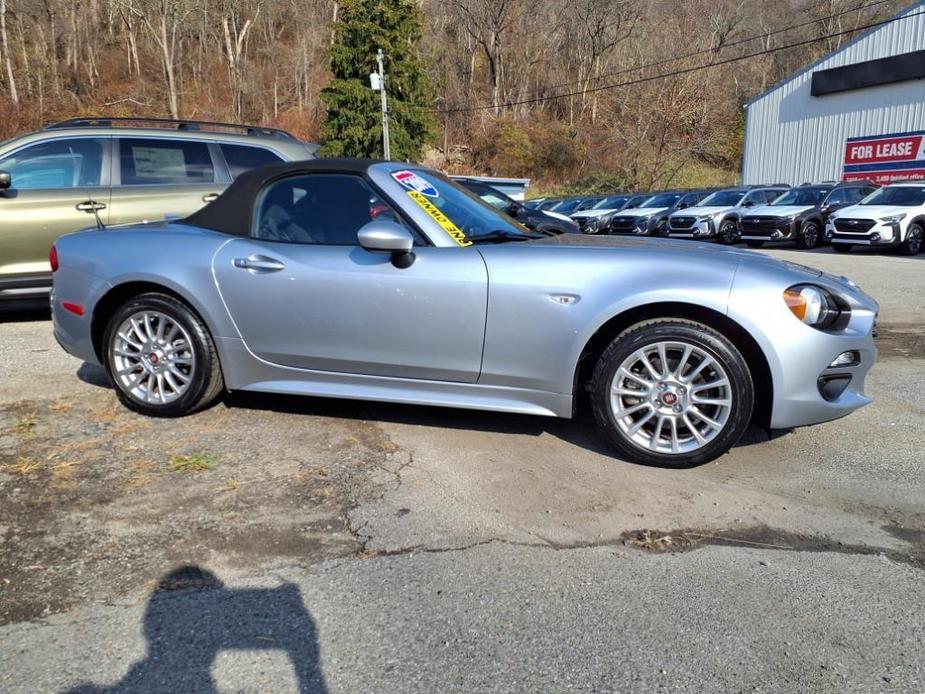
x=144, y=161
x=861, y=193
x=754, y=198
x=840, y=196
x=324, y=209
x=770, y=195
x=241, y=158
x=71, y=163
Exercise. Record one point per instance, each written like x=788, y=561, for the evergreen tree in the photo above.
x=354, y=124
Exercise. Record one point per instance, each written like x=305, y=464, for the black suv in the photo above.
x=532, y=219
x=800, y=214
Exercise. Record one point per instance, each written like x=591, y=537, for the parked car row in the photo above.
x=845, y=215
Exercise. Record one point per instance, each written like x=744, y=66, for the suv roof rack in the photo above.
x=170, y=123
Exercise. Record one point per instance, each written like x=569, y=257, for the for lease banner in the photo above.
x=885, y=158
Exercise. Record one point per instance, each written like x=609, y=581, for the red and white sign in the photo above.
x=885, y=158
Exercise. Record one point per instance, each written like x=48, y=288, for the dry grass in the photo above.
x=23, y=467
x=191, y=464
x=654, y=542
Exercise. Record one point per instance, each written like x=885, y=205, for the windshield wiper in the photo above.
x=500, y=236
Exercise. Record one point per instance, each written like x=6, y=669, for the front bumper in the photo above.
x=880, y=234
x=806, y=387
x=768, y=230
x=701, y=229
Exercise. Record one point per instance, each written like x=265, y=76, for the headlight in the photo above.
x=893, y=219
x=705, y=218
x=814, y=306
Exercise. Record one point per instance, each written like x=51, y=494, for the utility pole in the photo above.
x=386, y=147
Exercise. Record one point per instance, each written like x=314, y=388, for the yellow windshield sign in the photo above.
x=445, y=222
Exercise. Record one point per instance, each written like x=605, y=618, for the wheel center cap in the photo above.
x=153, y=358
x=669, y=398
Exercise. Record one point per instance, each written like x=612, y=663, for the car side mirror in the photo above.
x=513, y=209
x=6, y=181
x=748, y=203
x=383, y=235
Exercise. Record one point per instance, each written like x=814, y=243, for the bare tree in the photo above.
x=7, y=59
x=164, y=20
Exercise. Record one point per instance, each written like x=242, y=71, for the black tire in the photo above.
x=810, y=235
x=205, y=378
x=915, y=238
x=661, y=229
x=842, y=247
x=755, y=244
x=701, y=337
x=728, y=232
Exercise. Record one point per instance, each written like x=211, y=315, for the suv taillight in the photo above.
x=53, y=259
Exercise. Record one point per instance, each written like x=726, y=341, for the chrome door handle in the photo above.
x=259, y=264
x=210, y=197
x=90, y=206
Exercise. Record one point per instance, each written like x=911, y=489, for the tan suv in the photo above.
x=57, y=180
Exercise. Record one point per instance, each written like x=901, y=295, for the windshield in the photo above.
x=496, y=199
x=723, y=198
x=637, y=201
x=662, y=200
x=614, y=202
x=902, y=196
x=566, y=206
x=802, y=196
x=456, y=209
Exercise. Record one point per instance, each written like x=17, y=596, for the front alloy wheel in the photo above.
x=161, y=357
x=810, y=235
x=729, y=232
x=914, y=239
x=672, y=393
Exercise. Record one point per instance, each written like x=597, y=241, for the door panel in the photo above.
x=345, y=309
x=32, y=220
x=134, y=204
x=50, y=178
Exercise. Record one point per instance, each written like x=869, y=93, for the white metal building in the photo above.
x=871, y=92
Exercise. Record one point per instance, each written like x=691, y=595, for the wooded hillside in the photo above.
x=521, y=87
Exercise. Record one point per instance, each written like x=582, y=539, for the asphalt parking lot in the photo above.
x=284, y=544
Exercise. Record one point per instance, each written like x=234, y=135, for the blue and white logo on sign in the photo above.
x=411, y=181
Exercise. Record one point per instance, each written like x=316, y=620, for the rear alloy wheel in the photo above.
x=842, y=247
x=754, y=244
x=810, y=235
x=161, y=358
x=729, y=232
x=914, y=239
x=672, y=393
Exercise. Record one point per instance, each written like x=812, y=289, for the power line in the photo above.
x=732, y=44
x=651, y=78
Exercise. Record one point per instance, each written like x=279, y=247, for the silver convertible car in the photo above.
x=382, y=281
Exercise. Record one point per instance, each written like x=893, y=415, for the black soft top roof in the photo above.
x=231, y=212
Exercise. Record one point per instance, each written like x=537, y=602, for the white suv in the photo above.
x=891, y=216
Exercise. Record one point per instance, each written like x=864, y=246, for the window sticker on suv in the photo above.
x=412, y=182
x=156, y=162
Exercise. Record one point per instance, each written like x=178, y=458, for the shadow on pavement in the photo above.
x=581, y=431
x=192, y=617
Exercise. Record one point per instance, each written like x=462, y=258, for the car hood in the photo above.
x=555, y=215
x=872, y=211
x=691, y=249
x=778, y=210
x=643, y=211
x=592, y=213
x=701, y=211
